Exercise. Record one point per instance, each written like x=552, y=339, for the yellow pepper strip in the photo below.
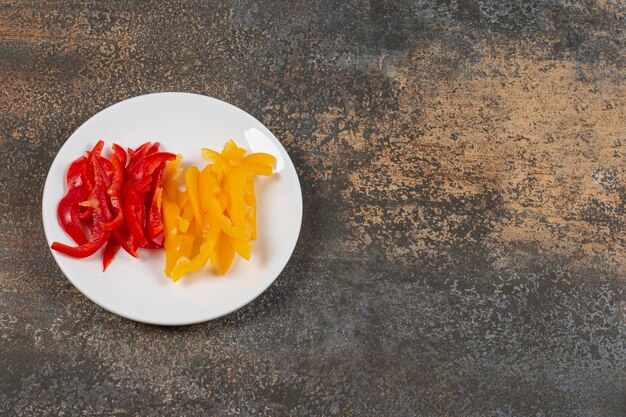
x=234, y=188
x=183, y=224
x=217, y=215
x=207, y=187
x=172, y=172
x=219, y=174
x=218, y=163
x=260, y=159
x=187, y=212
x=225, y=254
x=184, y=221
x=222, y=198
x=171, y=238
x=250, y=197
x=215, y=158
x=237, y=211
x=242, y=247
x=186, y=244
x=185, y=265
x=182, y=199
x=212, y=204
x=214, y=232
x=238, y=216
x=191, y=182
x=232, y=153
x=253, y=170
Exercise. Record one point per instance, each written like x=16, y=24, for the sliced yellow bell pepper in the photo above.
x=225, y=253
x=172, y=172
x=215, y=217
x=232, y=153
x=184, y=265
x=185, y=218
x=250, y=196
x=214, y=232
x=260, y=158
x=191, y=182
x=183, y=198
x=171, y=240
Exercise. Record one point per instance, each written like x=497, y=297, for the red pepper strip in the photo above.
x=100, y=213
x=140, y=151
x=67, y=214
x=147, y=150
x=135, y=207
x=148, y=164
x=122, y=234
x=95, y=201
x=154, y=225
x=68, y=209
x=97, y=149
x=89, y=173
x=126, y=241
x=101, y=182
x=107, y=165
x=110, y=250
x=74, y=177
x=137, y=154
x=88, y=184
x=120, y=152
x=98, y=239
x=154, y=148
x=153, y=245
x=114, y=192
x=84, y=213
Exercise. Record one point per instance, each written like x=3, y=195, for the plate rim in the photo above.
x=204, y=319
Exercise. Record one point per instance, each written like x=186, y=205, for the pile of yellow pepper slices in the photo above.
x=215, y=216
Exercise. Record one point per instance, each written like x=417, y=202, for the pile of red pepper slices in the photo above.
x=119, y=203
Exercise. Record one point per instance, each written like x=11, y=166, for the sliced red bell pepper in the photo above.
x=154, y=224
x=101, y=184
x=114, y=193
x=123, y=237
x=67, y=214
x=137, y=154
x=107, y=165
x=74, y=177
x=121, y=234
x=101, y=214
x=68, y=209
x=154, y=244
x=117, y=198
x=98, y=239
x=134, y=193
x=120, y=152
x=97, y=149
x=84, y=213
x=110, y=250
x=148, y=164
x=88, y=178
x=152, y=149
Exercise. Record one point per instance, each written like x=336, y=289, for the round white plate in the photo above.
x=183, y=123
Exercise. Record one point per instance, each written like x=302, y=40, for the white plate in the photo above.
x=183, y=123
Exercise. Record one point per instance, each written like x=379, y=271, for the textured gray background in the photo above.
x=463, y=248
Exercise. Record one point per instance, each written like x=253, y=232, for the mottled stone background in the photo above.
x=463, y=250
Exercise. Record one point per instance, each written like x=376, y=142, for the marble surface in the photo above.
x=463, y=249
